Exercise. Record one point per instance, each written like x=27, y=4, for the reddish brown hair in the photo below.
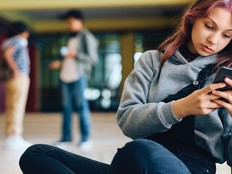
x=196, y=10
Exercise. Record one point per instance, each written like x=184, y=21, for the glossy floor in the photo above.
x=45, y=128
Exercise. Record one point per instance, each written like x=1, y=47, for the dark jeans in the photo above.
x=141, y=156
x=73, y=96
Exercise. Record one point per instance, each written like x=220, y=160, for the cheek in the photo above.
x=223, y=44
x=78, y=25
x=196, y=38
x=73, y=27
x=198, y=33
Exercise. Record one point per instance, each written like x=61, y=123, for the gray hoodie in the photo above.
x=142, y=113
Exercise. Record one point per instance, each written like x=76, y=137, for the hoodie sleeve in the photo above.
x=135, y=116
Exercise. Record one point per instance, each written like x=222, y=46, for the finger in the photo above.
x=228, y=81
x=224, y=95
x=214, y=106
x=212, y=96
x=223, y=104
x=212, y=87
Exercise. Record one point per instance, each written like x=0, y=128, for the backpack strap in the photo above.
x=184, y=130
x=197, y=84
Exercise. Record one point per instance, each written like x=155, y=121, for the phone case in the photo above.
x=223, y=72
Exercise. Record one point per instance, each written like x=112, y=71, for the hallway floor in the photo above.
x=45, y=128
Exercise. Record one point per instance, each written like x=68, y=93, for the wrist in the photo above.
x=179, y=109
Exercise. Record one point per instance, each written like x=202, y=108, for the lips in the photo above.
x=206, y=49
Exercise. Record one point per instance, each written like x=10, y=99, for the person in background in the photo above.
x=79, y=56
x=170, y=105
x=15, y=51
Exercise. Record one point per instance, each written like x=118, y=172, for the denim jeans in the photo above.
x=140, y=156
x=73, y=96
x=45, y=159
x=144, y=156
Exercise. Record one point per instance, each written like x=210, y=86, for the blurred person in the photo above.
x=15, y=51
x=79, y=56
x=170, y=105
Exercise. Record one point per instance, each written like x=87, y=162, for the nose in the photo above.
x=214, y=38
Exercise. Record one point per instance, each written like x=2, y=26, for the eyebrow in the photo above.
x=217, y=24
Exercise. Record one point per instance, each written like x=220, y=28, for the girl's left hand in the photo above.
x=227, y=95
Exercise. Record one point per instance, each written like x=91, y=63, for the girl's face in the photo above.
x=211, y=34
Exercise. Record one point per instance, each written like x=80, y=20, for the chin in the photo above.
x=204, y=54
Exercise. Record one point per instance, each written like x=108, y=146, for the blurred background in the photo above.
x=125, y=29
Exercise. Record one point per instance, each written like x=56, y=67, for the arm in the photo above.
x=8, y=55
x=139, y=117
x=135, y=116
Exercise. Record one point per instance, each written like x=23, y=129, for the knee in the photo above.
x=27, y=153
x=142, y=146
x=27, y=156
x=146, y=155
x=138, y=149
x=134, y=157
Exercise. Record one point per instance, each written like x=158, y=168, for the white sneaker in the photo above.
x=86, y=146
x=16, y=142
x=62, y=143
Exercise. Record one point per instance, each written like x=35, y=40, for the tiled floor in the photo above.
x=44, y=128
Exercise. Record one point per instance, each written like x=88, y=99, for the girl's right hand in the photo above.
x=200, y=102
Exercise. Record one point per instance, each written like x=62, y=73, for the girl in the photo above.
x=169, y=105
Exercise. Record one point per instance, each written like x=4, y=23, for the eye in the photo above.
x=227, y=36
x=209, y=26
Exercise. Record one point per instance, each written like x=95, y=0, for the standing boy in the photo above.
x=79, y=56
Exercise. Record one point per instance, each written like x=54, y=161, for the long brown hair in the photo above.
x=196, y=10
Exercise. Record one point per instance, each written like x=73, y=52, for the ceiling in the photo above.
x=99, y=13
x=103, y=15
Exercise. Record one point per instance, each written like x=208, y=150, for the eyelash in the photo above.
x=209, y=26
x=212, y=28
x=226, y=36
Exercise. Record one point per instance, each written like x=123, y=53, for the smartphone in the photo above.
x=222, y=73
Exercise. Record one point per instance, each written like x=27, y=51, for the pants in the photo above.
x=73, y=96
x=16, y=98
x=141, y=156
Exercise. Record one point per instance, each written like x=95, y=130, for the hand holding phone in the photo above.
x=222, y=73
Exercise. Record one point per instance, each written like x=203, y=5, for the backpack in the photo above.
x=93, y=45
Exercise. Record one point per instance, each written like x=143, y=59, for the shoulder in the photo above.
x=90, y=39
x=89, y=35
x=13, y=41
x=148, y=64
x=86, y=31
x=151, y=58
